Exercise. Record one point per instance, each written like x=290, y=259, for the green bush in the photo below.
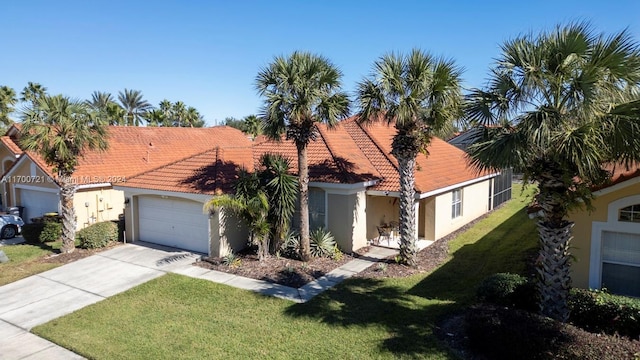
x=31, y=232
x=508, y=290
x=290, y=246
x=51, y=231
x=598, y=311
x=504, y=333
x=322, y=243
x=98, y=235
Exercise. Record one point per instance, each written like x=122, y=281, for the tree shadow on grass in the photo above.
x=411, y=315
x=365, y=302
x=510, y=247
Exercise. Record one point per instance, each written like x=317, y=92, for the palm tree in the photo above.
x=105, y=106
x=421, y=95
x=61, y=131
x=301, y=91
x=282, y=191
x=179, y=112
x=251, y=203
x=560, y=105
x=134, y=105
x=253, y=126
x=32, y=93
x=193, y=118
x=7, y=101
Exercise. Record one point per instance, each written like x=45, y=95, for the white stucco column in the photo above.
x=416, y=214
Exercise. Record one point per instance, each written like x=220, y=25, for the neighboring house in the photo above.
x=30, y=182
x=606, y=243
x=354, y=188
x=501, y=189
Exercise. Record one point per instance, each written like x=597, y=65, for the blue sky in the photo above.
x=207, y=53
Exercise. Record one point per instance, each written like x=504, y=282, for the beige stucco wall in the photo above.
x=347, y=220
x=7, y=158
x=475, y=203
x=581, y=246
x=104, y=204
x=380, y=209
x=228, y=233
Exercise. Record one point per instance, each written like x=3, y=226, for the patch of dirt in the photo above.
x=279, y=270
x=77, y=254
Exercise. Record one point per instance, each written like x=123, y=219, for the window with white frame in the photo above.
x=630, y=213
x=621, y=262
x=456, y=203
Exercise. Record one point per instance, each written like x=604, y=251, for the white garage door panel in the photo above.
x=173, y=222
x=37, y=203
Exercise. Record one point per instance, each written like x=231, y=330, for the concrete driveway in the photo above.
x=43, y=297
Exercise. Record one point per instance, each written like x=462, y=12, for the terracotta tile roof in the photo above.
x=11, y=145
x=210, y=172
x=134, y=150
x=619, y=173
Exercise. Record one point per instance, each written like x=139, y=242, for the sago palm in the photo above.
x=420, y=96
x=558, y=106
x=301, y=91
x=61, y=131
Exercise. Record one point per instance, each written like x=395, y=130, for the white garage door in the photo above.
x=173, y=222
x=37, y=203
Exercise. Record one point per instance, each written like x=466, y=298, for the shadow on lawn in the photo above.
x=409, y=319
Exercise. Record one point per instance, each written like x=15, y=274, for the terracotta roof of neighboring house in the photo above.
x=210, y=172
x=11, y=145
x=353, y=152
x=620, y=173
x=134, y=150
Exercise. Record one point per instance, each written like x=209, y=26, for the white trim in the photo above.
x=459, y=185
x=141, y=192
x=344, y=189
x=618, y=186
x=612, y=225
x=384, y=193
x=37, y=188
x=93, y=186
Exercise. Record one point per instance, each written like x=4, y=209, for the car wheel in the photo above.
x=8, y=232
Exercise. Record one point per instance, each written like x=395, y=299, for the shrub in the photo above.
x=504, y=333
x=231, y=260
x=598, y=311
x=508, y=290
x=98, y=235
x=31, y=232
x=322, y=243
x=290, y=245
x=51, y=231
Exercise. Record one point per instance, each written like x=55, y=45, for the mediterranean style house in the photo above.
x=160, y=178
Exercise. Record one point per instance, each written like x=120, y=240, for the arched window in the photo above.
x=630, y=213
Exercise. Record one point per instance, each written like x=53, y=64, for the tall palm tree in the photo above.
x=179, y=111
x=32, y=93
x=282, y=192
x=300, y=91
x=61, y=131
x=7, y=102
x=421, y=96
x=560, y=104
x=193, y=118
x=103, y=104
x=253, y=126
x=134, y=105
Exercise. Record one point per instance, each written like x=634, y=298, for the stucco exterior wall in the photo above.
x=347, y=219
x=475, y=203
x=582, y=231
x=97, y=205
x=380, y=209
x=228, y=233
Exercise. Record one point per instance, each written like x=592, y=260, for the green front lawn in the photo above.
x=180, y=317
x=24, y=261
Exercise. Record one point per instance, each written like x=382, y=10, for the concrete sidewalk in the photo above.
x=43, y=297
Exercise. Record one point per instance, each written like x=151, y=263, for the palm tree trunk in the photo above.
x=553, y=269
x=67, y=192
x=303, y=187
x=408, y=247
